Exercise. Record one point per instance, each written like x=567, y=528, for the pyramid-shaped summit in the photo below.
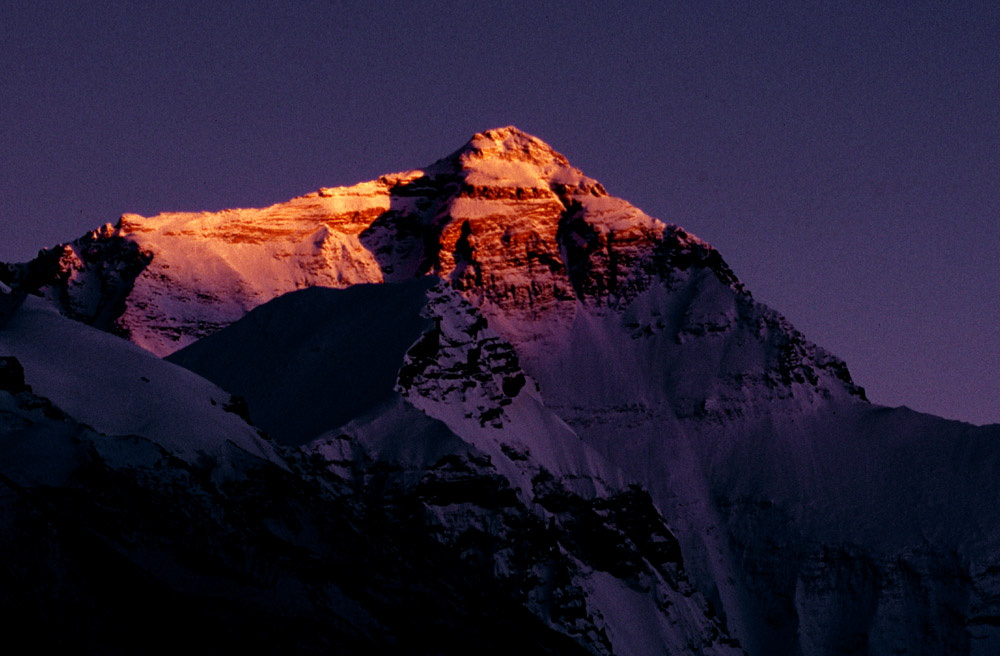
x=502, y=198
x=509, y=157
x=511, y=143
x=531, y=241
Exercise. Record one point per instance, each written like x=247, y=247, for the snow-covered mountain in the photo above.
x=580, y=405
x=492, y=472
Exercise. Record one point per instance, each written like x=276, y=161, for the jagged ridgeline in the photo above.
x=481, y=406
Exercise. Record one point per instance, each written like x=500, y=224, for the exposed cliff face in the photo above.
x=90, y=279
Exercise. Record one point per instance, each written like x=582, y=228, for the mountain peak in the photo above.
x=509, y=157
x=510, y=144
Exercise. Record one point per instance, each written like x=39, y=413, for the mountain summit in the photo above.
x=577, y=413
x=531, y=241
x=510, y=144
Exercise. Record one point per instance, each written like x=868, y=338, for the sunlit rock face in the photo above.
x=505, y=218
x=541, y=249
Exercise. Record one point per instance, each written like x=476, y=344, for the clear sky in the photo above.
x=844, y=157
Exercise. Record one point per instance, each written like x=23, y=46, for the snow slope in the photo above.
x=119, y=389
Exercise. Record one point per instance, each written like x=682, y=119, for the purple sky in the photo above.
x=844, y=159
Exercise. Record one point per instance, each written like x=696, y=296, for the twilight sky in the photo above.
x=844, y=158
